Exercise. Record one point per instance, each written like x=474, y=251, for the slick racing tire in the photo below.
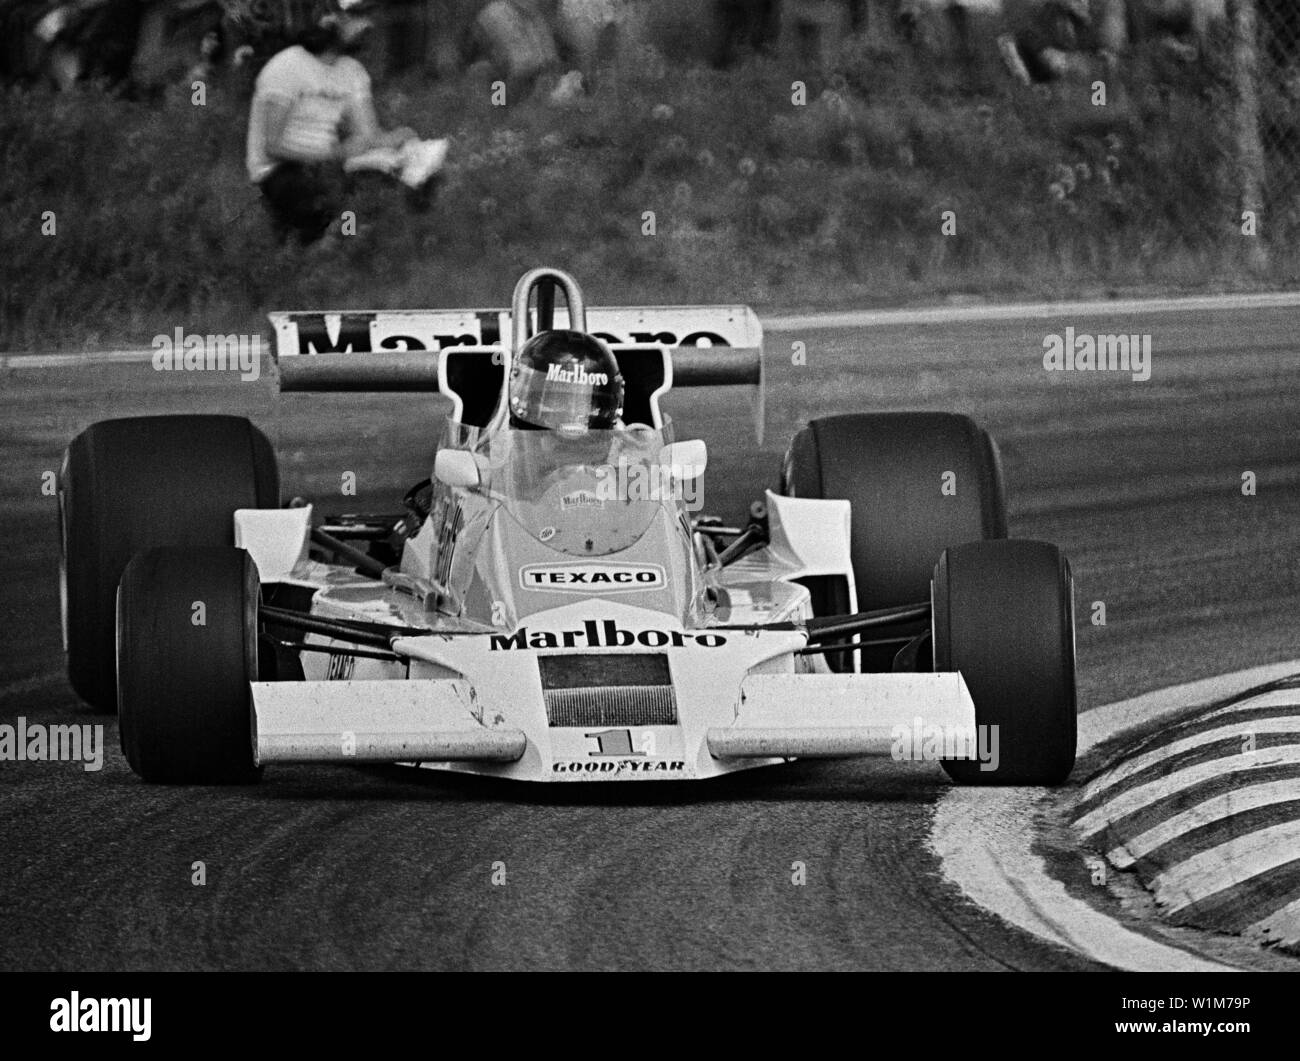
x=139, y=483
x=1004, y=618
x=917, y=482
x=186, y=651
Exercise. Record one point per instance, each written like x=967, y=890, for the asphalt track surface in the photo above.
x=354, y=868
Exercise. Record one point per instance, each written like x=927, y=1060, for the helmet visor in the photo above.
x=564, y=398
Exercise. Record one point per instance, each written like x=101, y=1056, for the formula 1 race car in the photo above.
x=548, y=606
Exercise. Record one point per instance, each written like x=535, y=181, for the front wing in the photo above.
x=766, y=718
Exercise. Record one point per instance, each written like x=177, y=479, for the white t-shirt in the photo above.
x=321, y=96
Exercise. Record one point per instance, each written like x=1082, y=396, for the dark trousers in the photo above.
x=303, y=199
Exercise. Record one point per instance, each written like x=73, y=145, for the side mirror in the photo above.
x=456, y=467
x=686, y=459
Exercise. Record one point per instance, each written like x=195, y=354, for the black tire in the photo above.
x=184, y=706
x=139, y=483
x=1004, y=618
x=890, y=466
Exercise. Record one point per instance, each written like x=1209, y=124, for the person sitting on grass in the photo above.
x=313, y=122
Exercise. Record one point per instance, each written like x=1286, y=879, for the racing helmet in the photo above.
x=565, y=381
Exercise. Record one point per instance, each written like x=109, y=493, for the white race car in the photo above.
x=549, y=606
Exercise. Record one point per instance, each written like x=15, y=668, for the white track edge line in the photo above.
x=1027, y=311
x=830, y=320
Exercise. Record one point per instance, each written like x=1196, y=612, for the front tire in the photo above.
x=187, y=649
x=1004, y=618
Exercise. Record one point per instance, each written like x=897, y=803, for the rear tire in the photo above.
x=892, y=468
x=139, y=483
x=184, y=706
x=1004, y=618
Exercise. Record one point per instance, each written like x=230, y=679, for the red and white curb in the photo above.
x=984, y=847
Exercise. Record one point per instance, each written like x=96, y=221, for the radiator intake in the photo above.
x=608, y=689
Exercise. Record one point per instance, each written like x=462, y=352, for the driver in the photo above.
x=567, y=384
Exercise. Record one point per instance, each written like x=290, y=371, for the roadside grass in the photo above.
x=836, y=203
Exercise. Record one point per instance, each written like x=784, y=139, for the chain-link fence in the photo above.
x=1275, y=39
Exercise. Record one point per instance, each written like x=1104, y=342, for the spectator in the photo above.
x=514, y=41
x=26, y=28
x=1053, y=39
x=313, y=121
x=90, y=39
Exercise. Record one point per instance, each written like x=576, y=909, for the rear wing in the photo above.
x=400, y=350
